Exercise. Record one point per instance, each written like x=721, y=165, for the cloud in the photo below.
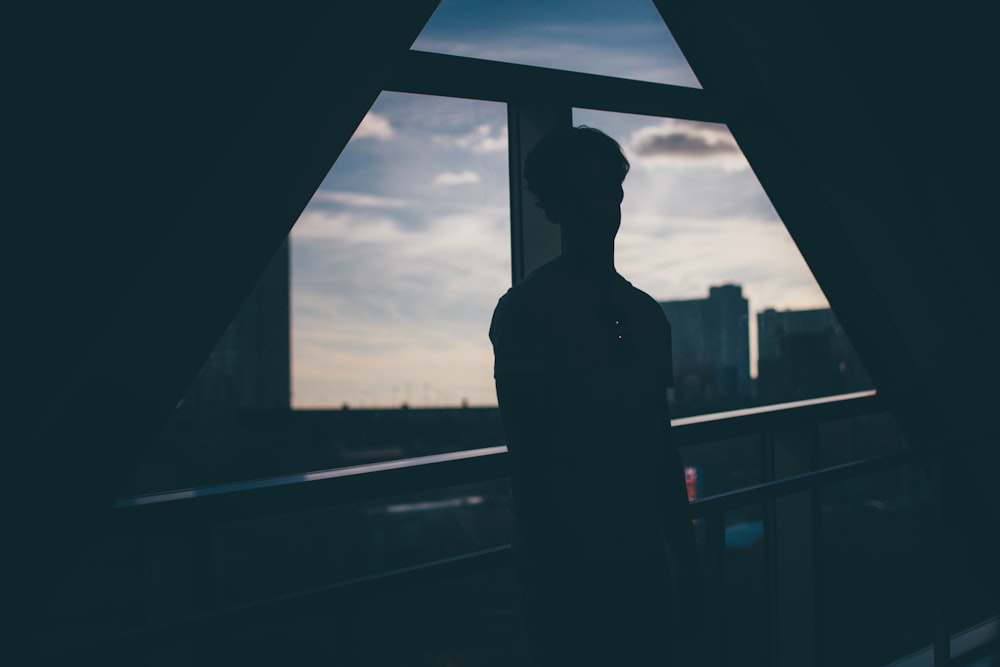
x=376, y=309
x=626, y=40
x=696, y=253
x=481, y=139
x=679, y=142
x=394, y=280
x=360, y=199
x=346, y=227
x=449, y=178
x=374, y=126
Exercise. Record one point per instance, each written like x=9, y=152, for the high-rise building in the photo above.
x=805, y=354
x=711, y=348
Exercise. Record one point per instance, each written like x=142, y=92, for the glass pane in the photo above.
x=285, y=554
x=862, y=437
x=127, y=582
x=374, y=316
x=875, y=568
x=622, y=38
x=746, y=594
x=717, y=467
x=750, y=324
x=969, y=600
x=739, y=632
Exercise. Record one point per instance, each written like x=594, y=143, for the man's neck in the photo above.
x=597, y=268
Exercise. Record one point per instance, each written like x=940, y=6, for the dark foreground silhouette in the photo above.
x=603, y=540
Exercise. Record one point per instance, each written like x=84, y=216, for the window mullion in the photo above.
x=534, y=240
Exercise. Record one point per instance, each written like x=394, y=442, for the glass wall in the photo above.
x=367, y=337
x=876, y=570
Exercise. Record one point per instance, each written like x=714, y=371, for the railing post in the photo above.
x=794, y=556
x=939, y=561
x=534, y=240
x=715, y=538
x=770, y=566
x=816, y=507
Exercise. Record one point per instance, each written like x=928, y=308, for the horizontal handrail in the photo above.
x=698, y=429
x=327, y=488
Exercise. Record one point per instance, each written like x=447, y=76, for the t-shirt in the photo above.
x=604, y=356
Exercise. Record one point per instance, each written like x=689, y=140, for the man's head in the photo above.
x=576, y=173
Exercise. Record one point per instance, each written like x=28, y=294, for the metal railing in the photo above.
x=192, y=511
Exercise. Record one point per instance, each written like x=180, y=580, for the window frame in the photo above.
x=538, y=101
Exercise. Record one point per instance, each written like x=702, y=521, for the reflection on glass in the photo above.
x=875, y=565
x=969, y=601
x=286, y=554
x=750, y=324
x=625, y=38
x=717, y=467
x=744, y=624
x=746, y=595
x=861, y=437
x=125, y=582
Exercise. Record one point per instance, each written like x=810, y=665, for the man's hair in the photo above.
x=548, y=167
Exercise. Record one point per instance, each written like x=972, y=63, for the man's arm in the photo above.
x=530, y=420
x=531, y=426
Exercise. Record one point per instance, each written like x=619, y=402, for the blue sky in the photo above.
x=624, y=38
x=400, y=257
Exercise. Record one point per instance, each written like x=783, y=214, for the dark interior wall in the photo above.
x=930, y=76
x=160, y=154
x=121, y=116
x=925, y=77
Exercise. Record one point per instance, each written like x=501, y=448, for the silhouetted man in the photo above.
x=603, y=540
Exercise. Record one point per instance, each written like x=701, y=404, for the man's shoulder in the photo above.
x=534, y=288
x=544, y=278
x=643, y=302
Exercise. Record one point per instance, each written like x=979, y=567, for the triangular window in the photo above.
x=621, y=38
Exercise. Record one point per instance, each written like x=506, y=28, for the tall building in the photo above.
x=711, y=348
x=804, y=354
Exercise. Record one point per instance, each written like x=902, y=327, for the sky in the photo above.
x=400, y=257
